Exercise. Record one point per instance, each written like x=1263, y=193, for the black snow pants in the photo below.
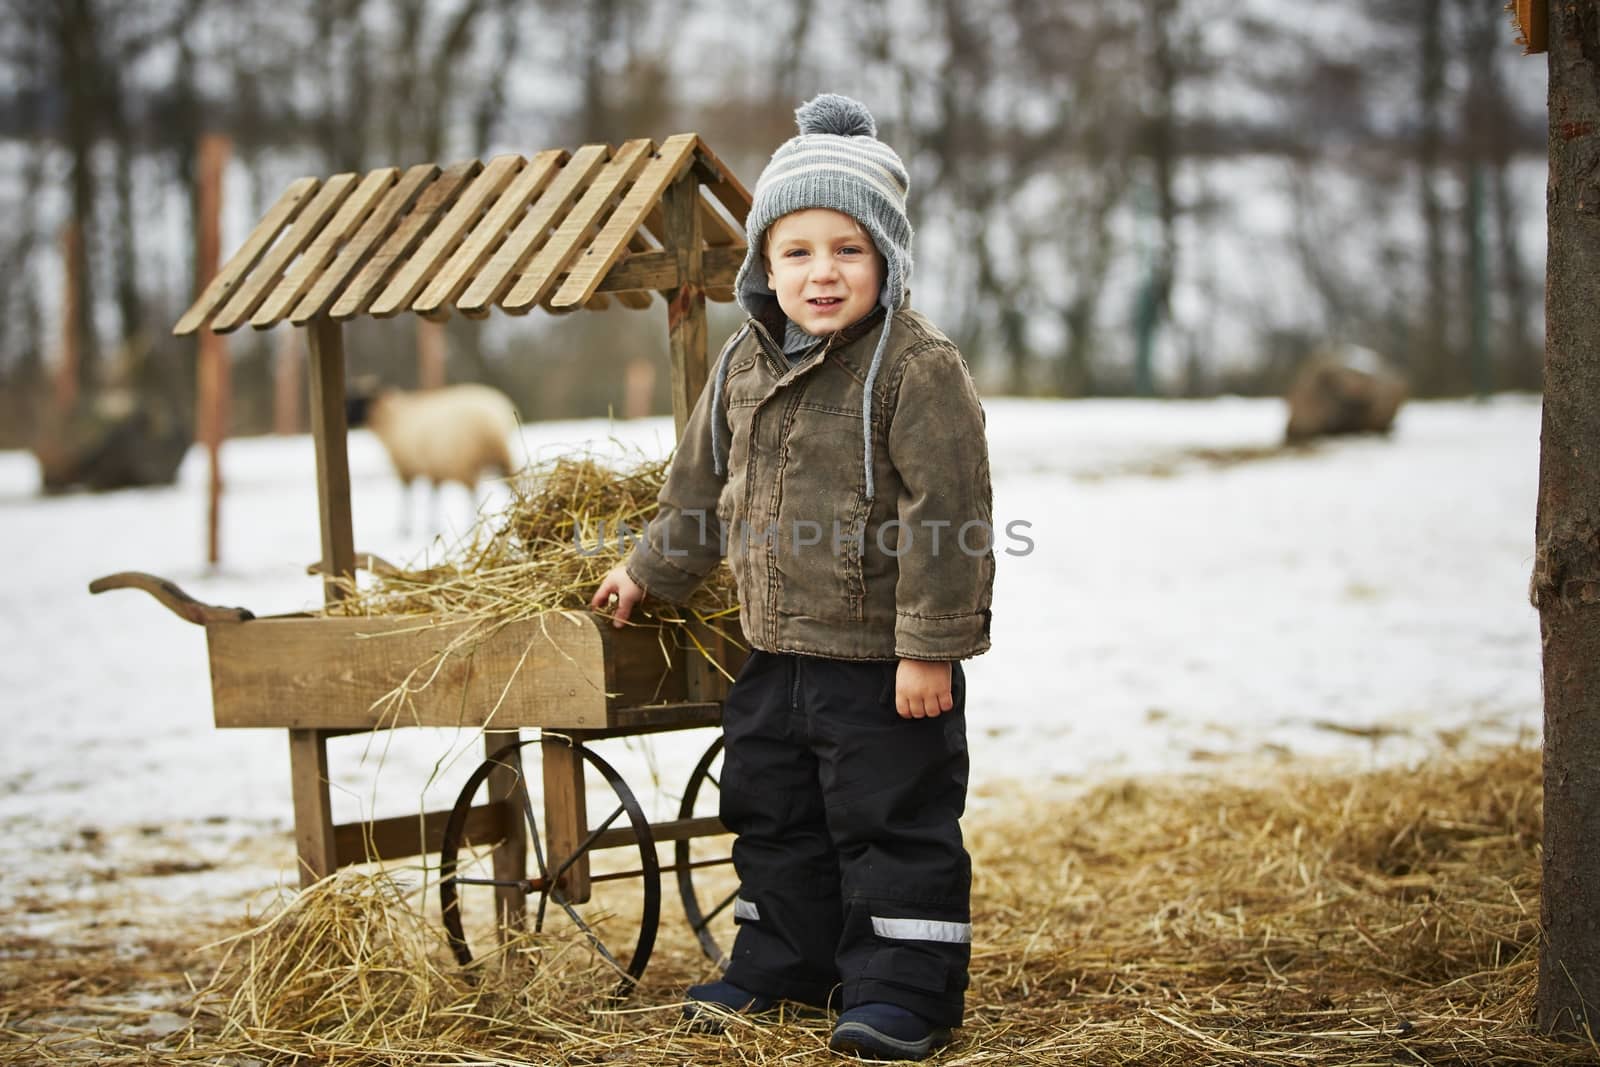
x=854, y=884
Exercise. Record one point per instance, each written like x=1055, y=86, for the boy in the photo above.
x=838, y=458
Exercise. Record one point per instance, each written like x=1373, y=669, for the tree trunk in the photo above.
x=1429, y=363
x=1520, y=366
x=1566, y=577
x=80, y=70
x=1160, y=146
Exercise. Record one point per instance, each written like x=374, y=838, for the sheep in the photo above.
x=451, y=434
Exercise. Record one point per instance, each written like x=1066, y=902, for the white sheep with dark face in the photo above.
x=453, y=434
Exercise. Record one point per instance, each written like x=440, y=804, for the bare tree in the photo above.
x=1566, y=578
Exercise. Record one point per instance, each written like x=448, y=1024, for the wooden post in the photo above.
x=313, y=809
x=328, y=431
x=507, y=787
x=308, y=749
x=431, y=353
x=686, y=329
x=212, y=369
x=686, y=305
x=287, y=362
x=566, y=814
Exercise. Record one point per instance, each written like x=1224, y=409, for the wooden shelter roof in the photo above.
x=559, y=230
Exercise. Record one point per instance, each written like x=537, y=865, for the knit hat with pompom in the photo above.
x=836, y=162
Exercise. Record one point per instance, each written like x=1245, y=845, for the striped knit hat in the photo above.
x=836, y=162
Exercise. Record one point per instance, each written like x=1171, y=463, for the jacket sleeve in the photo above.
x=938, y=447
x=683, y=543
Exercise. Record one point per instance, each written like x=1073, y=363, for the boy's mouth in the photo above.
x=825, y=301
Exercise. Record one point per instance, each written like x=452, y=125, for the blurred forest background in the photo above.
x=1159, y=197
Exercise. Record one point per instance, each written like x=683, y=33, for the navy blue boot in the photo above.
x=886, y=1032
x=709, y=1002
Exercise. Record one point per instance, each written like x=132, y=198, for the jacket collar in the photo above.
x=769, y=328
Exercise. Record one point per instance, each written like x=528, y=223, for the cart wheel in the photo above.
x=709, y=906
x=468, y=889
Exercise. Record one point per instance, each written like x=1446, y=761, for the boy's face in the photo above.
x=824, y=268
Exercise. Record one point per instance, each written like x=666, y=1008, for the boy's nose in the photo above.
x=824, y=267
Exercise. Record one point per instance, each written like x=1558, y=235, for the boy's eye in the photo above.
x=794, y=253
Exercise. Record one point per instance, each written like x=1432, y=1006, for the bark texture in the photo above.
x=1566, y=579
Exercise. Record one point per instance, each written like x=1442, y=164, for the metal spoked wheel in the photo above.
x=472, y=897
x=704, y=864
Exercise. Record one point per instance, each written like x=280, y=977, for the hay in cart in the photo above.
x=560, y=230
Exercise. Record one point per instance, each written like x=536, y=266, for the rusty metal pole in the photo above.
x=212, y=368
x=432, y=354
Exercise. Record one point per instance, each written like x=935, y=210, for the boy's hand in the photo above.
x=922, y=688
x=627, y=591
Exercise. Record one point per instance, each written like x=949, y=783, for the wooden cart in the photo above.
x=559, y=230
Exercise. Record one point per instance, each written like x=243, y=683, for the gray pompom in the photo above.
x=832, y=113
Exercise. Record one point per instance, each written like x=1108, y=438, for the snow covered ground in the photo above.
x=1186, y=605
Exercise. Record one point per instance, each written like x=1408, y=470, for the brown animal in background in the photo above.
x=1349, y=390
x=123, y=440
x=453, y=434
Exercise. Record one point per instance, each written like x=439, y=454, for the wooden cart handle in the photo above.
x=176, y=600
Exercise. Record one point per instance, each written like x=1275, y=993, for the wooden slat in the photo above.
x=435, y=198
x=475, y=251
x=315, y=842
x=634, y=299
x=500, y=273
x=659, y=270
x=658, y=718
x=228, y=278
x=674, y=157
x=447, y=235
x=723, y=183
x=266, y=273
x=340, y=672
x=564, y=245
x=671, y=830
x=719, y=233
x=307, y=269
x=655, y=226
x=410, y=835
x=395, y=203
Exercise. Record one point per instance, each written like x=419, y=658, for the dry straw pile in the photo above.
x=565, y=527
x=1384, y=918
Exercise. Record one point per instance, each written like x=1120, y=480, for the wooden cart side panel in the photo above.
x=334, y=673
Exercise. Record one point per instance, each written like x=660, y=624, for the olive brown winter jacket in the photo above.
x=822, y=569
